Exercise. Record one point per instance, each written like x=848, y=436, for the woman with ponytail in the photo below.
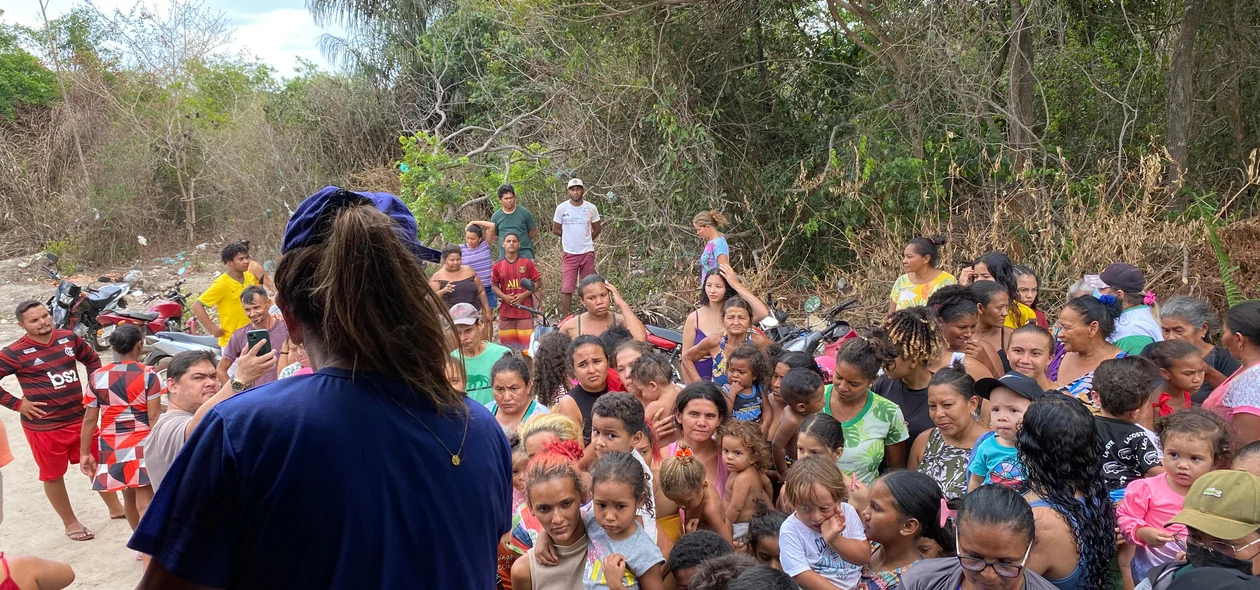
x=905, y=509
x=303, y=483
x=555, y=492
x=716, y=251
x=922, y=277
x=1085, y=325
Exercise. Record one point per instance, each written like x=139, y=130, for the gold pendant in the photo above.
x=455, y=460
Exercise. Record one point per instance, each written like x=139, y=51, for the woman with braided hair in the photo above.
x=958, y=311
x=915, y=335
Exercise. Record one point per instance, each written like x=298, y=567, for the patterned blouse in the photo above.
x=947, y=464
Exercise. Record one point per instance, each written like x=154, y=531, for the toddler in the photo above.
x=1121, y=390
x=823, y=541
x=823, y=435
x=745, y=373
x=617, y=426
x=802, y=393
x=745, y=453
x=994, y=459
x=653, y=386
x=683, y=481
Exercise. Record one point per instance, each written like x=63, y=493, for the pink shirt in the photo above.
x=1150, y=502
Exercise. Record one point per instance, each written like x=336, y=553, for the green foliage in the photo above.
x=23, y=79
x=435, y=182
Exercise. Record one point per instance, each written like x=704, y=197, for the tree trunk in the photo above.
x=1181, y=95
x=1020, y=102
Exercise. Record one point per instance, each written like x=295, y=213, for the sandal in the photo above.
x=82, y=534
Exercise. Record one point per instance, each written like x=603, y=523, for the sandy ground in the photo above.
x=29, y=524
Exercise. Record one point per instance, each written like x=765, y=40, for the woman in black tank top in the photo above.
x=590, y=366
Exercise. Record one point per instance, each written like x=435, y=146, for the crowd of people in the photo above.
x=389, y=429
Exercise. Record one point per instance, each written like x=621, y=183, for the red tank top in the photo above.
x=8, y=583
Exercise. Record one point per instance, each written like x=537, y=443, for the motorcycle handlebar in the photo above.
x=531, y=310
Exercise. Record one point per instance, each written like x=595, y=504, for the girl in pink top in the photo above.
x=1194, y=444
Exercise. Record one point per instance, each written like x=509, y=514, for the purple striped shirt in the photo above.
x=479, y=260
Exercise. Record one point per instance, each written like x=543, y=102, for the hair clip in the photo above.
x=1149, y=298
x=1108, y=299
x=946, y=513
x=683, y=452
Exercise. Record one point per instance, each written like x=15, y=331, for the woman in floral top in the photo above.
x=904, y=512
x=921, y=278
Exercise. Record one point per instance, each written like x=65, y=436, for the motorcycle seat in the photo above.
x=671, y=335
x=143, y=316
x=105, y=293
x=207, y=341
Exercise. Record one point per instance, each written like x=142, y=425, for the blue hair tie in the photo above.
x=1108, y=299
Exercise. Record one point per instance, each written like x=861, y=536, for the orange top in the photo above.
x=5, y=456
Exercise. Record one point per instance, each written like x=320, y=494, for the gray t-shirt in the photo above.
x=165, y=440
x=639, y=550
x=946, y=574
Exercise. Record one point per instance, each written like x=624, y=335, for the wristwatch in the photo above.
x=239, y=386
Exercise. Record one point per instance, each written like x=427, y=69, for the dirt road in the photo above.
x=29, y=524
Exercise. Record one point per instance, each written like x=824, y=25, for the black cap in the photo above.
x=1124, y=277
x=1215, y=578
x=1021, y=385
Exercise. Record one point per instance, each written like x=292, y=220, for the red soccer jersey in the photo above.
x=507, y=277
x=48, y=373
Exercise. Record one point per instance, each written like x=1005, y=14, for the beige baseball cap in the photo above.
x=576, y=182
x=1224, y=504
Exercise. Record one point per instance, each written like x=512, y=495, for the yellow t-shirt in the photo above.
x=224, y=294
x=905, y=293
x=1020, y=315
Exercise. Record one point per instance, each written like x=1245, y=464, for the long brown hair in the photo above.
x=364, y=296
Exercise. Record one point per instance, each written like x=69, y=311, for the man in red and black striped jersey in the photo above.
x=51, y=404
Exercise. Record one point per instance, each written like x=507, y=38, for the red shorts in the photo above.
x=54, y=450
x=574, y=268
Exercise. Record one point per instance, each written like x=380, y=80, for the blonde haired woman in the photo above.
x=716, y=252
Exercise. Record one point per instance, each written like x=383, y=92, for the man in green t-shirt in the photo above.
x=512, y=219
x=477, y=355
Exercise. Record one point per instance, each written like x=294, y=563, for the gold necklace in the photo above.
x=454, y=456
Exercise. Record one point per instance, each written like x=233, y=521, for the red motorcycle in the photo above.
x=164, y=313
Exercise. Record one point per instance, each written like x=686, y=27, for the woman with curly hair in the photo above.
x=958, y=312
x=551, y=368
x=915, y=335
x=1076, y=521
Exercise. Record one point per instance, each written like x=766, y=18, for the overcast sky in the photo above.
x=276, y=31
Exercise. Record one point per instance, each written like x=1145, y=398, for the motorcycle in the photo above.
x=826, y=341
x=78, y=309
x=545, y=326
x=166, y=345
x=161, y=315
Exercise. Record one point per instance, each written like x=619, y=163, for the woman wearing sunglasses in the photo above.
x=994, y=538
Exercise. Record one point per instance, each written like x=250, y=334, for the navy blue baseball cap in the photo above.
x=1025, y=387
x=309, y=224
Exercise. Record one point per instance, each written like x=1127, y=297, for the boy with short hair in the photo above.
x=651, y=375
x=802, y=393
x=515, y=324
x=1122, y=389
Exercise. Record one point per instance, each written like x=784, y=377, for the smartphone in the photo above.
x=253, y=337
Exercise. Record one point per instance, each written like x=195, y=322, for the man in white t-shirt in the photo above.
x=577, y=223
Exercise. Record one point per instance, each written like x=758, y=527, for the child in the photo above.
x=513, y=403
x=555, y=492
x=1182, y=368
x=28, y=571
x=746, y=372
x=1245, y=459
x=627, y=353
x=683, y=481
x=823, y=541
x=651, y=375
x=994, y=459
x=508, y=553
x=784, y=362
x=802, y=393
x=745, y=453
x=1195, y=442
x=822, y=435
x=621, y=555
x=617, y=426
x=1122, y=389
x=763, y=536
x=126, y=397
